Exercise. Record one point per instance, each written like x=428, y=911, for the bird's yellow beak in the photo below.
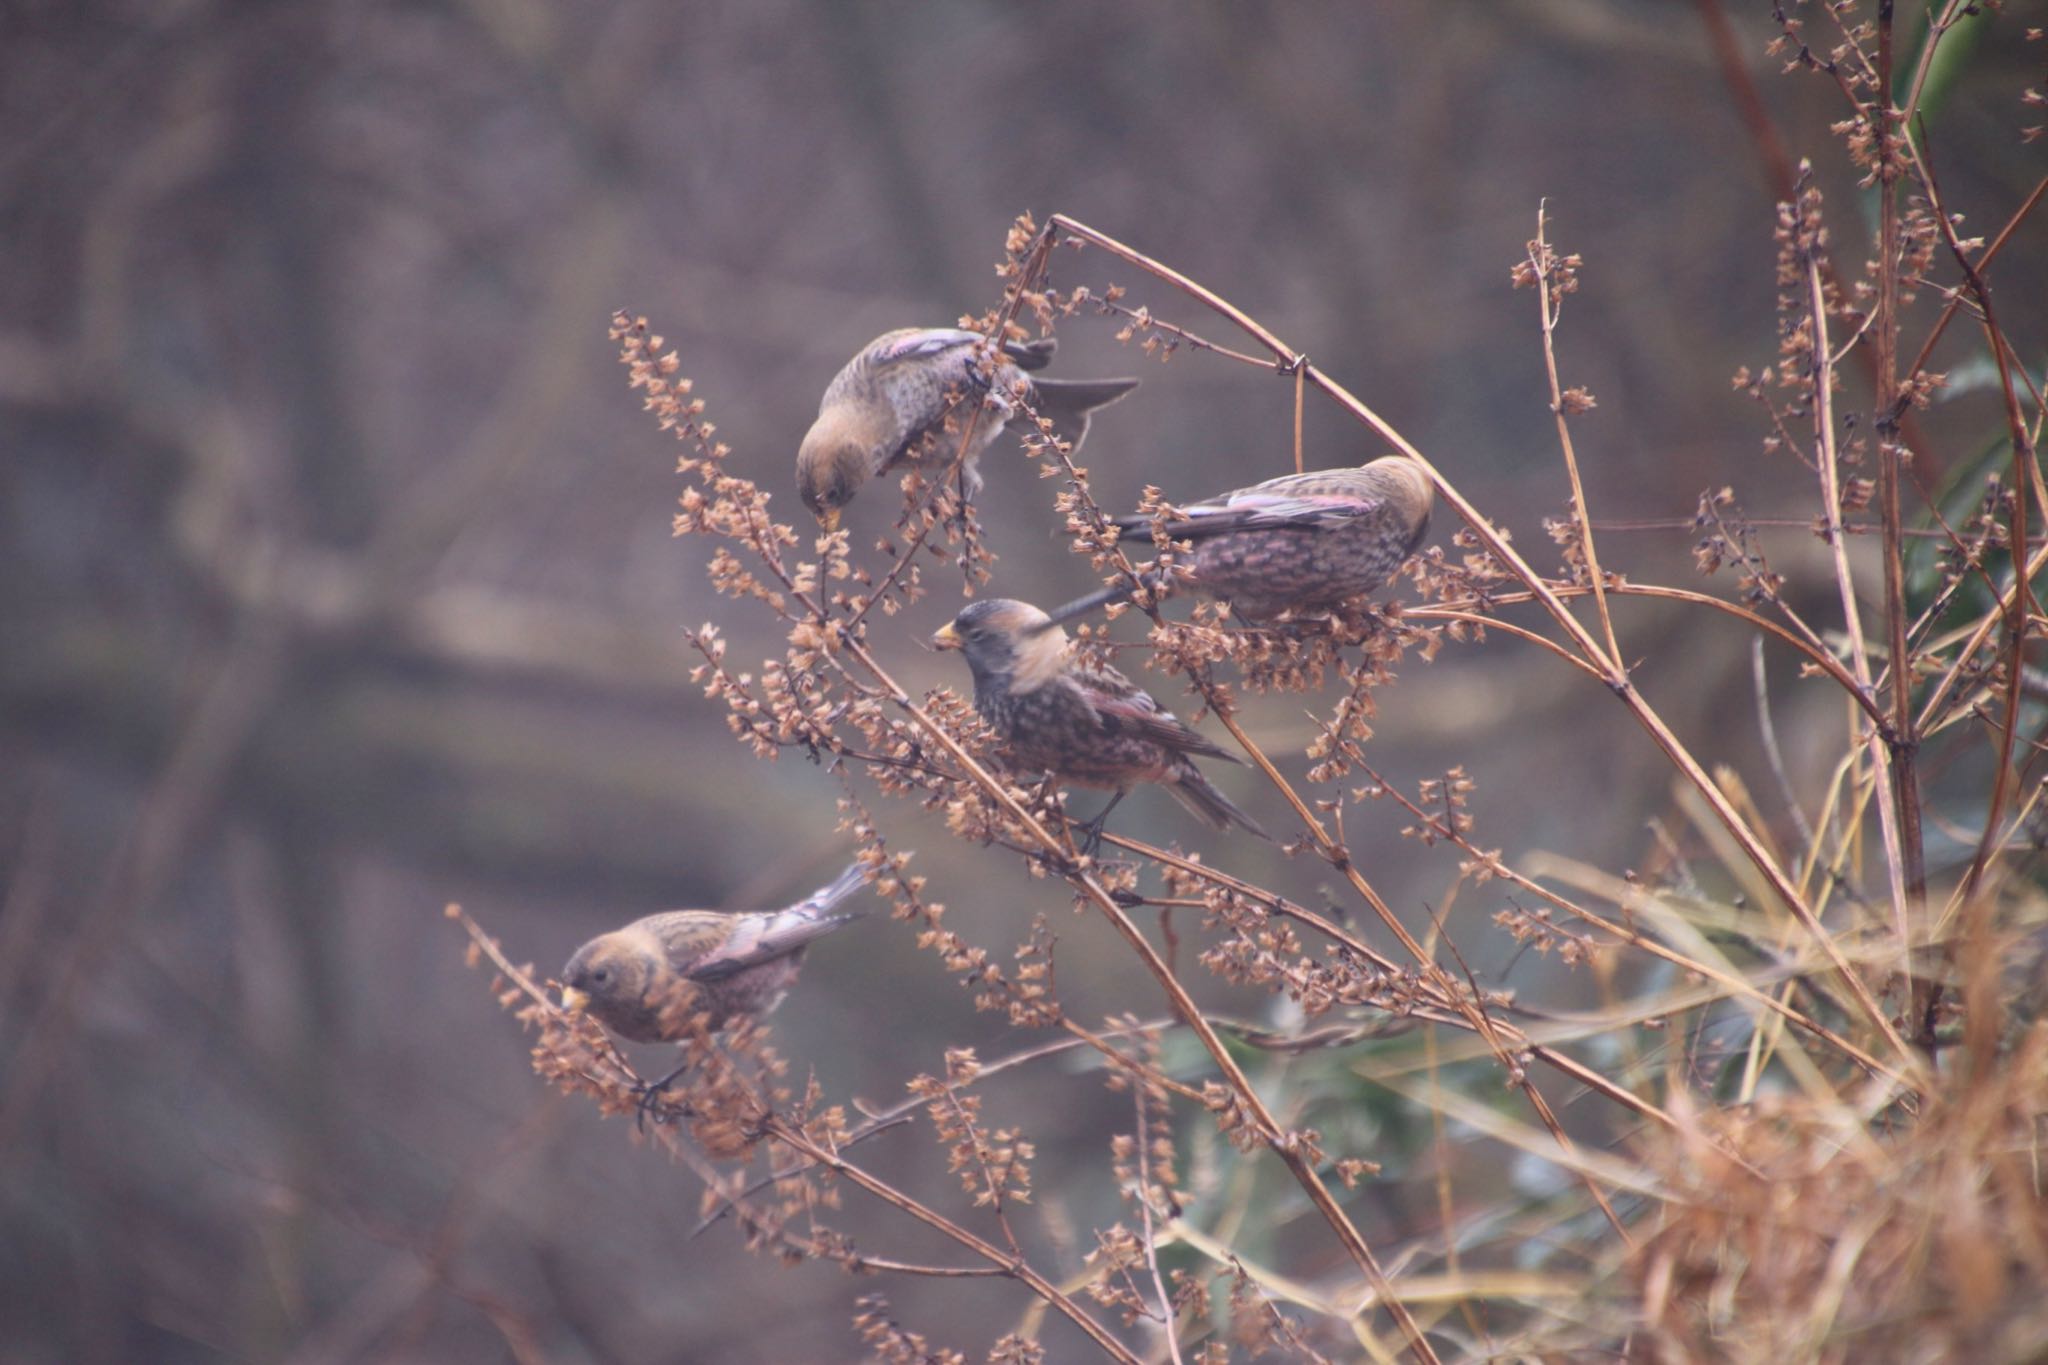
x=829, y=520
x=945, y=637
x=575, y=1001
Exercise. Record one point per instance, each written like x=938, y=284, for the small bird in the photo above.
x=896, y=400
x=645, y=980
x=1298, y=542
x=1092, y=726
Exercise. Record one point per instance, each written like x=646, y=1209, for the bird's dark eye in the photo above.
x=602, y=976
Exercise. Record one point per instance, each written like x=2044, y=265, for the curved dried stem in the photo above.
x=1818, y=658
x=1497, y=545
x=1485, y=622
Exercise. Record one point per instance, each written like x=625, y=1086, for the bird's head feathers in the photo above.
x=838, y=455
x=1406, y=485
x=611, y=972
x=1007, y=641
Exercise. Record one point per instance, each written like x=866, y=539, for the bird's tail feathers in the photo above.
x=827, y=898
x=1132, y=527
x=1202, y=799
x=778, y=933
x=1069, y=402
x=1031, y=355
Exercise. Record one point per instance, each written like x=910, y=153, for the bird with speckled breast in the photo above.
x=1090, y=726
x=908, y=391
x=644, y=982
x=1300, y=542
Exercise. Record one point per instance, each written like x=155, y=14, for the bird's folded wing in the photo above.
x=920, y=344
x=763, y=938
x=1134, y=712
x=1259, y=511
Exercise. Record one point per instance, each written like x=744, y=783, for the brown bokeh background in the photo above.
x=339, y=581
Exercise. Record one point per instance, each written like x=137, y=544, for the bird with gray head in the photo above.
x=1091, y=726
x=908, y=391
x=645, y=982
x=1301, y=542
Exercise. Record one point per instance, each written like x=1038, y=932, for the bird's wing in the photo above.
x=1120, y=705
x=922, y=343
x=764, y=937
x=915, y=344
x=1252, y=510
x=686, y=936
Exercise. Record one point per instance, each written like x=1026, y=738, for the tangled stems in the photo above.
x=829, y=697
x=1498, y=547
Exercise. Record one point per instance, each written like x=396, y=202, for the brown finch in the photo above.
x=1091, y=726
x=908, y=390
x=644, y=982
x=1298, y=542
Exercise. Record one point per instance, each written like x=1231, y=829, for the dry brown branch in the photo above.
x=1497, y=546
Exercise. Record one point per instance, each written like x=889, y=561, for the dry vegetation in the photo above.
x=1804, y=1120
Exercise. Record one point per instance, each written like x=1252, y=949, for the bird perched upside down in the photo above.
x=1298, y=542
x=895, y=402
x=1091, y=726
x=645, y=981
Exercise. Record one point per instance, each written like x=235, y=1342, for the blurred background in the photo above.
x=339, y=581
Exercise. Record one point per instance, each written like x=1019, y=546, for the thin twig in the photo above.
x=1549, y=305
x=899, y=1114
x=1804, y=524
x=1142, y=319
x=992, y=1186
x=1883, y=755
x=1760, y=679
x=1983, y=263
x=1168, y=1322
